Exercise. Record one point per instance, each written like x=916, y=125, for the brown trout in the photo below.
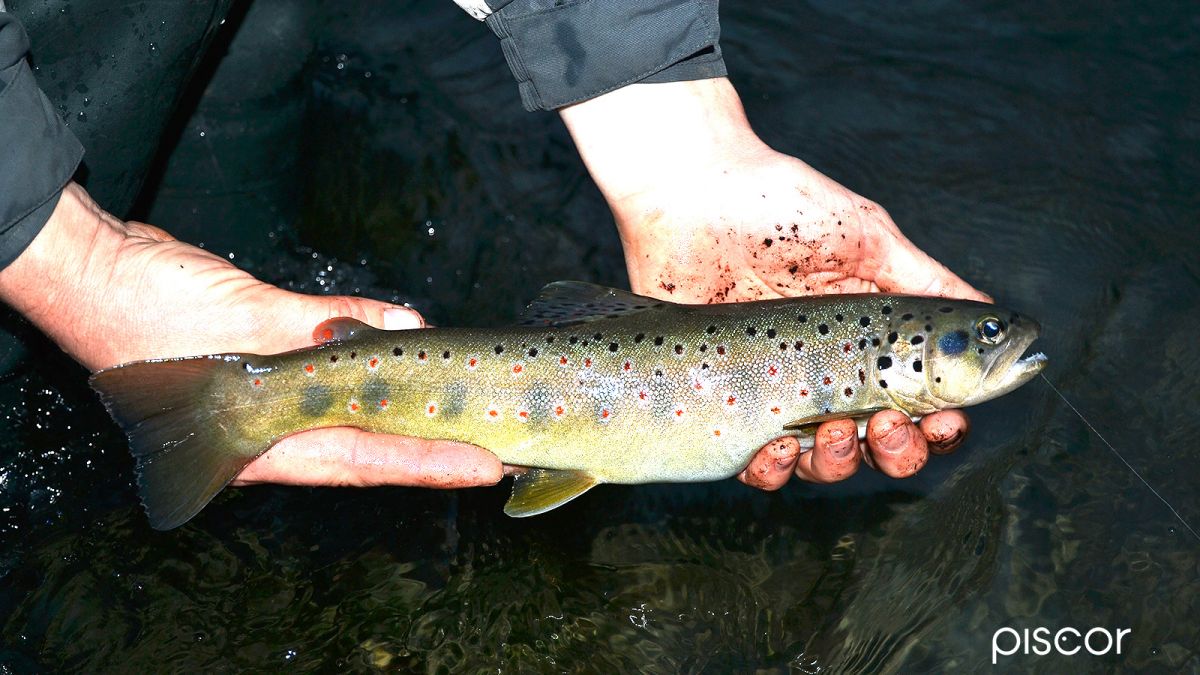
x=596, y=386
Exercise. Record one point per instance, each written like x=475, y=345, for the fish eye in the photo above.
x=990, y=330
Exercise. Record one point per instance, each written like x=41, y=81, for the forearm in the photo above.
x=644, y=135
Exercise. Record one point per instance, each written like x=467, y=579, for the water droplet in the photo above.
x=153, y=47
x=87, y=101
x=82, y=116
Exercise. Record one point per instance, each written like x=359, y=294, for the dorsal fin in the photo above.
x=564, y=303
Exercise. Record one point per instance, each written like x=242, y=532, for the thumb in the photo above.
x=297, y=315
x=901, y=267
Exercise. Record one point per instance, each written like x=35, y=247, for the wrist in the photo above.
x=645, y=138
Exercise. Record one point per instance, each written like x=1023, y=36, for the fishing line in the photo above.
x=1118, y=454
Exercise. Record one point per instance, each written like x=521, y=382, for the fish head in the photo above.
x=968, y=353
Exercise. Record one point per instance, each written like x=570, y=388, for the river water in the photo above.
x=1049, y=153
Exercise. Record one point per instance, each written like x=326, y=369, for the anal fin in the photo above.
x=540, y=490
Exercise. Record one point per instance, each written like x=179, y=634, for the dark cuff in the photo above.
x=565, y=52
x=38, y=154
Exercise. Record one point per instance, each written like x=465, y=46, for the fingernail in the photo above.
x=841, y=444
x=894, y=439
x=401, y=318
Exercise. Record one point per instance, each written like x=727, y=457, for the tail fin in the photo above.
x=184, y=457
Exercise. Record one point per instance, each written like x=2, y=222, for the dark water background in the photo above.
x=1050, y=153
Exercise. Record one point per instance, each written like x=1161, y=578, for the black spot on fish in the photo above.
x=917, y=366
x=767, y=242
x=710, y=330
x=783, y=346
x=917, y=339
x=612, y=346
x=874, y=342
x=533, y=351
x=864, y=321
x=823, y=329
x=981, y=350
x=862, y=376
x=883, y=384
x=549, y=339
x=638, y=338
x=678, y=349
x=658, y=373
x=862, y=344
x=945, y=310
x=446, y=354
x=892, y=337
x=799, y=345
x=771, y=333
x=598, y=336
x=703, y=347
x=938, y=380
x=499, y=349
x=658, y=341
x=848, y=391
x=907, y=316
x=315, y=400
x=827, y=411
x=953, y=343
x=887, y=309
x=751, y=330
x=353, y=354
x=928, y=328
x=704, y=366
x=333, y=358
x=420, y=355
x=573, y=339
x=884, y=362
x=802, y=318
x=839, y=318
x=396, y=351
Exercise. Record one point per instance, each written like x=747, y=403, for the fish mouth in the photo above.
x=1015, y=368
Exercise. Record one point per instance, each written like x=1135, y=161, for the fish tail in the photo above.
x=184, y=453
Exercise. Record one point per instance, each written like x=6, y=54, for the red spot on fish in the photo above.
x=716, y=432
x=804, y=392
x=383, y=403
x=493, y=413
x=517, y=369
x=308, y=368
x=353, y=406
x=604, y=414
x=776, y=410
x=628, y=366
x=472, y=362
x=847, y=347
x=828, y=380
x=587, y=363
x=257, y=382
x=721, y=350
x=643, y=395
x=562, y=360
x=431, y=409
x=699, y=386
x=523, y=414
x=731, y=400
x=373, y=363
x=559, y=411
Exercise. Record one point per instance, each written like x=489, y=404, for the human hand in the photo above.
x=708, y=213
x=110, y=292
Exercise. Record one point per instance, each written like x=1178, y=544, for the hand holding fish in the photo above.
x=110, y=292
x=709, y=213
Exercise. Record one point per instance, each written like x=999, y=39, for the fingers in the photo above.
x=772, y=465
x=945, y=430
x=343, y=456
x=288, y=320
x=897, y=447
x=898, y=266
x=835, y=455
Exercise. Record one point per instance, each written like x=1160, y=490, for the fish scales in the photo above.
x=626, y=390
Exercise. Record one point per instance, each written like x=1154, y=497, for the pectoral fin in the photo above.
x=807, y=426
x=540, y=490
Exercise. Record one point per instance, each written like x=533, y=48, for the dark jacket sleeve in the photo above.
x=38, y=154
x=566, y=51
